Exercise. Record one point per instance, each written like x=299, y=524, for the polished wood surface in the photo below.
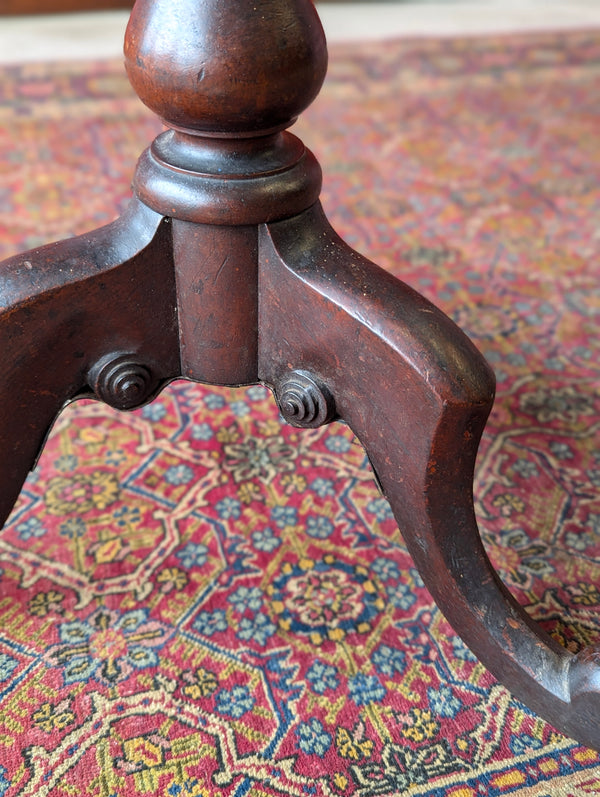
x=225, y=270
x=65, y=6
x=59, y=6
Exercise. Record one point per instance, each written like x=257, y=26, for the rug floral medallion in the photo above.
x=199, y=600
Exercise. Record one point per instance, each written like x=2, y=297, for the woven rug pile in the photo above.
x=197, y=600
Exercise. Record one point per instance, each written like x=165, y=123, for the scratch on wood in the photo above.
x=220, y=269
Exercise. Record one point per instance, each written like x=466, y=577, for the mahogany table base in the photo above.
x=225, y=270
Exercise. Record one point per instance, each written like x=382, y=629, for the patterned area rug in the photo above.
x=197, y=600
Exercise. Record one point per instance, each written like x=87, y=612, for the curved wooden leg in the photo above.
x=82, y=317
x=417, y=394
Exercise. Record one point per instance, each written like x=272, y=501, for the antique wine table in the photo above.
x=225, y=270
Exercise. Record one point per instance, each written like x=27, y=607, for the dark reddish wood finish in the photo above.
x=226, y=67
x=225, y=270
x=59, y=6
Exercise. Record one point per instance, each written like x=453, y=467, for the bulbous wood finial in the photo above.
x=220, y=67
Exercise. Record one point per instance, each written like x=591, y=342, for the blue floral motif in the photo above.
x=380, y=508
x=202, y=431
x=554, y=364
x=214, y=401
x=313, y=739
x=154, y=412
x=583, y=351
x=389, y=660
x=7, y=666
x=444, y=702
x=284, y=516
x=229, y=508
x=179, y=474
x=493, y=356
x=107, y=645
x=386, y=569
x=322, y=487
x=561, y=450
x=365, y=689
x=30, y=528
x=193, y=555
x=74, y=528
x=322, y=677
x=258, y=628
x=525, y=468
x=66, y=463
x=318, y=527
x=257, y=393
x=246, y=598
x=401, y=595
x=338, y=444
x=564, y=403
x=579, y=540
x=234, y=702
x=209, y=623
x=265, y=540
x=239, y=408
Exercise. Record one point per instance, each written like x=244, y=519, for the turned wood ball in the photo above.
x=226, y=67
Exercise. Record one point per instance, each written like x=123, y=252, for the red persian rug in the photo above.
x=197, y=600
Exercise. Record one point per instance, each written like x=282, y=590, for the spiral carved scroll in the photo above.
x=303, y=401
x=122, y=381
